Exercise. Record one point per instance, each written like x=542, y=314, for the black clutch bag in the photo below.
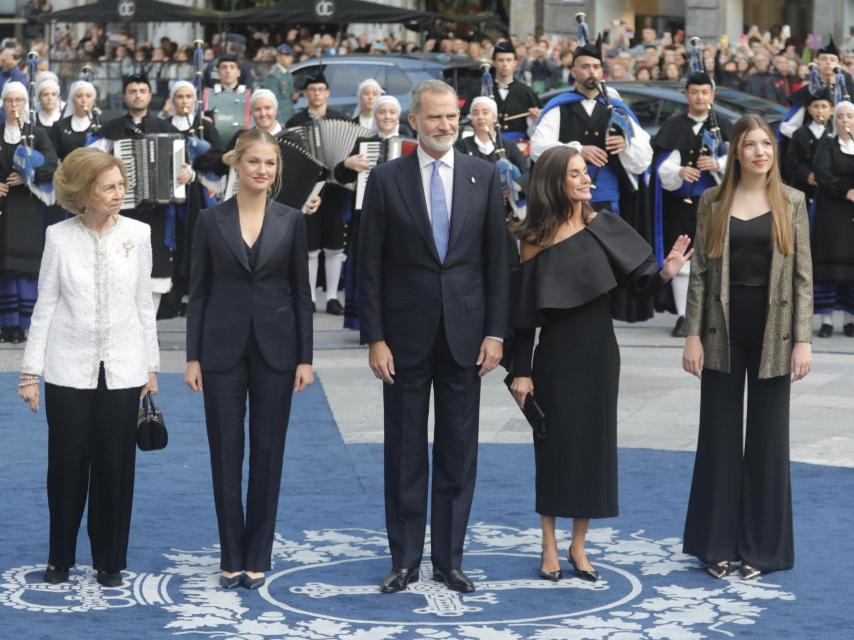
x=151, y=432
x=532, y=411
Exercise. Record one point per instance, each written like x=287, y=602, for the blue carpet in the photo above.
x=331, y=551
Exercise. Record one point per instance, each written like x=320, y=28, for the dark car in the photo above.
x=655, y=102
x=396, y=75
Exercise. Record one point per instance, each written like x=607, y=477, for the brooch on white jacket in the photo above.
x=128, y=245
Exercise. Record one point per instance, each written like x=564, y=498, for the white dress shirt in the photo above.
x=446, y=173
x=94, y=306
x=817, y=129
x=636, y=157
x=668, y=171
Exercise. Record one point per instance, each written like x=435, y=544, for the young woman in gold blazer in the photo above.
x=749, y=313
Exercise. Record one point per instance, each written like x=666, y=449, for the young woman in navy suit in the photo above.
x=249, y=331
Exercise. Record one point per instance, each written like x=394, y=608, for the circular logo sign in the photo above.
x=324, y=9
x=127, y=9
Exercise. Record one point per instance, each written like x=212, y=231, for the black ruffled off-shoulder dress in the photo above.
x=564, y=290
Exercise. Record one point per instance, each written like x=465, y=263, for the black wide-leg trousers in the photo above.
x=91, y=453
x=456, y=392
x=247, y=541
x=740, y=507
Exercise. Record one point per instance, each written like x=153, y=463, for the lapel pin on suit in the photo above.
x=473, y=180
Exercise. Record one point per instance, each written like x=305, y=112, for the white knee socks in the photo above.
x=334, y=260
x=312, y=272
x=680, y=289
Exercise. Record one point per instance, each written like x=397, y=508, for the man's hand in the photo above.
x=615, y=144
x=534, y=113
x=491, y=352
x=381, y=361
x=689, y=174
x=707, y=163
x=811, y=180
x=594, y=155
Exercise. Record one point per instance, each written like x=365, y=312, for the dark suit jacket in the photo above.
x=404, y=290
x=228, y=300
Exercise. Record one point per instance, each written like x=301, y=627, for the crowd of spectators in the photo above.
x=771, y=65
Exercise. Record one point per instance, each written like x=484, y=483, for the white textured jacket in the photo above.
x=94, y=305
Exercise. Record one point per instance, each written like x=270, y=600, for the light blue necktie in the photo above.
x=440, y=219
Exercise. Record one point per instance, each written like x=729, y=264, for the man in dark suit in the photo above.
x=433, y=283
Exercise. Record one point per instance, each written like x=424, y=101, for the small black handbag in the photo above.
x=151, y=432
x=533, y=413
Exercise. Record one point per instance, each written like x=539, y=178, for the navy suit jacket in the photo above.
x=228, y=299
x=404, y=290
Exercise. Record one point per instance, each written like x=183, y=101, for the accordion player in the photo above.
x=154, y=164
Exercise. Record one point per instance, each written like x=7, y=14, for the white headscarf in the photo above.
x=843, y=104
x=13, y=86
x=370, y=82
x=488, y=101
x=76, y=86
x=182, y=119
x=263, y=93
x=385, y=99
x=48, y=82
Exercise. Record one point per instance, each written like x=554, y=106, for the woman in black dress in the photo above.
x=50, y=102
x=833, y=231
x=576, y=368
x=488, y=144
x=22, y=221
x=204, y=178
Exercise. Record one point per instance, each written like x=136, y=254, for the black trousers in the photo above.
x=456, y=409
x=91, y=452
x=741, y=501
x=247, y=541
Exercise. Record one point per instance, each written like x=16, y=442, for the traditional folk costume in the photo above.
x=572, y=118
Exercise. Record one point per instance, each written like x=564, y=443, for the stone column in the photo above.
x=709, y=19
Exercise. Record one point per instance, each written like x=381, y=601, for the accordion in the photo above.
x=328, y=141
x=153, y=163
x=302, y=176
x=377, y=152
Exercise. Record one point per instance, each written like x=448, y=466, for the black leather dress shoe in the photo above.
x=109, y=579
x=825, y=331
x=398, y=580
x=55, y=576
x=230, y=583
x=590, y=576
x=253, y=583
x=334, y=308
x=454, y=579
x=848, y=329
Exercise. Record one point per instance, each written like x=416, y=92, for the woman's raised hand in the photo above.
x=677, y=258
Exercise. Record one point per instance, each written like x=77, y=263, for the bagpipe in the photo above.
x=509, y=174
x=196, y=143
x=711, y=142
x=95, y=114
x=27, y=159
x=838, y=89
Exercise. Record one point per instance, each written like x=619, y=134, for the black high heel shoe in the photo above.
x=553, y=576
x=590, y=576
x=253, y=583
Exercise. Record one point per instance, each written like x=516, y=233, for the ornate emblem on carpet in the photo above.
x=325, y=586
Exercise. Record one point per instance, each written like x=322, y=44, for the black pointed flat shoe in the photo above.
x=590, y=576
x=253, y=583
x=825, y=331
x=230, y=583
x=552, y=576
x=54, y=575
x=748, y=572
x=719, y=569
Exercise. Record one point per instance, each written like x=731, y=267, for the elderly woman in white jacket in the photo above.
x=94, y=341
